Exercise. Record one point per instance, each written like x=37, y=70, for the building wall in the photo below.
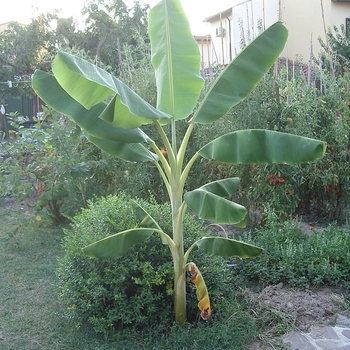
x=220, y=45
x=3, y=26
x=303, y=19
x=250, y=18
x=204, y=45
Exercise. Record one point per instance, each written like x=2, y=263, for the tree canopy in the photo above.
x=109, y=26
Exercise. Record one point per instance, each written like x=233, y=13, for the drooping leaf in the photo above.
x=228, y=247
x=88, y=120
x=208, y=203
x=147, y=220
x=201, y=291
x=117, y=245
x=134, y=152
x=263, y=146
x=224, y=187
x=176, y=59
x=242, y=75
x=91, y=85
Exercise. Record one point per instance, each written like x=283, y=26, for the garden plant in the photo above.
x=112, y=115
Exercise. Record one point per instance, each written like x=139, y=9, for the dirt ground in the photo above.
x=306, y=308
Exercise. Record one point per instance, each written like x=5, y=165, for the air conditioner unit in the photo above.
x=220, y=32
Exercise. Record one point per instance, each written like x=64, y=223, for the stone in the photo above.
x=298, y=341
x=323, y=333
x=343, y=321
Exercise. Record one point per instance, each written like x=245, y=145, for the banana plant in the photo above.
x=112, y=115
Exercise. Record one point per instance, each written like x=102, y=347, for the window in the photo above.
x=347, y=26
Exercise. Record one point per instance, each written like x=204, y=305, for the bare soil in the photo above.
x=306, y=307
x=303, y=308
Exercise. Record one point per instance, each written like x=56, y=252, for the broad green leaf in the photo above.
x=175, y=58
x=134, y=152
x=242, y=224
x=88, y=120
x=263, y=146
x=91, y=85
x=242, y=75
x=208, y=203
x=117, y=245
x=146, y=219
x=223, y=188
x=201, y=291
x=228, y=247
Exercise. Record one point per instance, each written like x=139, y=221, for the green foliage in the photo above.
x=136, y=290
x=31, y=310
x=111, y=115
x=320, y=187
x=109, y=25
x=337, y=49
x=24, y=48
x=297, y=258
x=54, y=163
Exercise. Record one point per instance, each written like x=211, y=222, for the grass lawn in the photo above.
x=32, y=317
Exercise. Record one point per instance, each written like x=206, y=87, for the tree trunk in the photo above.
x=179, y=267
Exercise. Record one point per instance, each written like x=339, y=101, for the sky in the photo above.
x=23, y=10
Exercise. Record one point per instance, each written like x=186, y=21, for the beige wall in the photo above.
x=304, y=21
x=204, y=45
x=3, y=26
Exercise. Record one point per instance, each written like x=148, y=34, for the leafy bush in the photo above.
x=299, y=259
x=321, y=187
x=137, y=289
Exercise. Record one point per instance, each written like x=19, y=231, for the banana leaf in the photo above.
x=242, y=75
x=208, y=202
x=228, y=247
x=175, y=58
x=117, y=245
x=263, y=146
x=91, y=85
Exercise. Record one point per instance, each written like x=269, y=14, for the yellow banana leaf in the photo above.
x=201, y=291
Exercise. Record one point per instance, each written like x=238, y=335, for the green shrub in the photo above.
x=291, y=106
x=299, y=259
x=137, y=289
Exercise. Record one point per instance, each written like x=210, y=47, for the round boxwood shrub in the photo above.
x=137, y=289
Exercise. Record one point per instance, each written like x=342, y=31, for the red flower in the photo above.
x=271, y=179
x=328, y=188
x=275, y=181
x=281, y=181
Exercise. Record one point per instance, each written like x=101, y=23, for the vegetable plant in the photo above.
x=112, y=115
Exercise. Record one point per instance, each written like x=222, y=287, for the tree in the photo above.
x=22, y=50
x=112, y=115
x=338, y=46
x=110, y=25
